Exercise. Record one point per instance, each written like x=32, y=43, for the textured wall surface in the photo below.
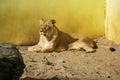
x=19, y=19
x=112, y=29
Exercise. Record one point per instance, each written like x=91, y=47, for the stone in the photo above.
x=11, y=62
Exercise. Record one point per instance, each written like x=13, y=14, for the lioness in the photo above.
x=52, y=39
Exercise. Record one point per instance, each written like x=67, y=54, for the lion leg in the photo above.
x=88, y=49
x=61, y=48
x=35, y=48
x=81, y=46
x=46, y=49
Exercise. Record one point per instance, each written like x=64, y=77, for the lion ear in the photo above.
x=53, y=21
x=41, y=21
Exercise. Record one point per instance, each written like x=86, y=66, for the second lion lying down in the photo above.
x=52, y=39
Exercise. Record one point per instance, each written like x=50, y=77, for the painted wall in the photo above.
x=19, y=19
x=112, y=29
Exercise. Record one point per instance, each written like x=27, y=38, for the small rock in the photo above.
x=112, y=49
x=109, y=77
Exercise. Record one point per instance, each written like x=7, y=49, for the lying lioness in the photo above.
x=52, y=39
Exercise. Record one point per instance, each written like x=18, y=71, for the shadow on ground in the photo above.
x=28, y=78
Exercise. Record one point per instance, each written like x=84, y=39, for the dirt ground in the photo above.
x=104, y=64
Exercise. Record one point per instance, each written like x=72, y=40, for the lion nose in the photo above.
x=41, y=30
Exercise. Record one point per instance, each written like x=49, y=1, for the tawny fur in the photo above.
x=52, y=39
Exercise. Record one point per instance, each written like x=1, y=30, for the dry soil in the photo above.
x=104, y=64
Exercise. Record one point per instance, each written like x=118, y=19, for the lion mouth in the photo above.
x=42, y=33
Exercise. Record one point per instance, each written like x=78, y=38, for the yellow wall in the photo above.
x=19, y=19
x=112, y=30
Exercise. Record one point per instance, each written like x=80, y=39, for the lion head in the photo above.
x=47, y=27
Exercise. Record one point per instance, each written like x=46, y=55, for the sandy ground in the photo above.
x=104, y=64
